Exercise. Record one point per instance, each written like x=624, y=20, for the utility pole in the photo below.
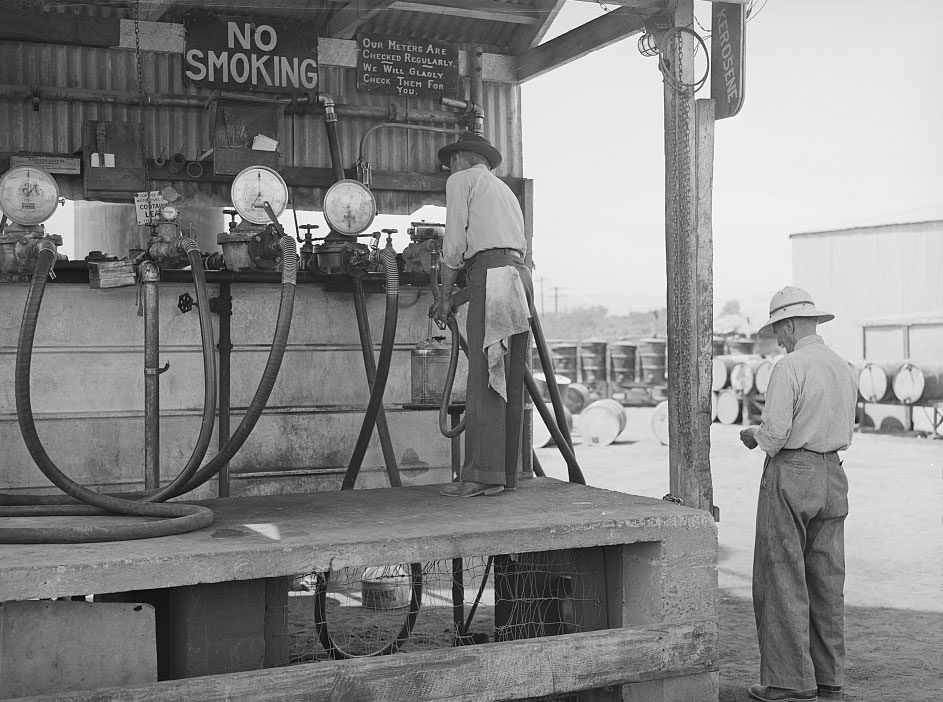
x=556, y=298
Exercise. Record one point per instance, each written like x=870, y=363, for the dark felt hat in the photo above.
x=469, y=141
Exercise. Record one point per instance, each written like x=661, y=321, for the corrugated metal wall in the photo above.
x=56, y=126
x=868, y=272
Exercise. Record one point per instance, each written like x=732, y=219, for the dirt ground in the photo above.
x=894, y=551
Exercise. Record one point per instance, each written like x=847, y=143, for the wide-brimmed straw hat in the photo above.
x=793, y=302
x=469, y=141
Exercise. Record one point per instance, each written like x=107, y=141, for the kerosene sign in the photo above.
x=240, y=55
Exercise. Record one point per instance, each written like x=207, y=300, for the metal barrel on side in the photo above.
x=876, y=381
x=915, y=383
x=728, y=406
x=602, y=422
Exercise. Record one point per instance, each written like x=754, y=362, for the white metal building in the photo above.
x=883, y=283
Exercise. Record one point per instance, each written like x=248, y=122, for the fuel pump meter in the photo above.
x=28, y=197
x=257, y=193
x=349, y=207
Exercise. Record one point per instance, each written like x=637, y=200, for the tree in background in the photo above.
x=583, y=323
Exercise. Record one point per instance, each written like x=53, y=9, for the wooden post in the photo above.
x=688, y=175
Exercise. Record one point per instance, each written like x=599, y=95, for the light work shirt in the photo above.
x=810, y=401
x=481, y=213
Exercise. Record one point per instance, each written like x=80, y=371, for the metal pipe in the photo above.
x=121, y=97
x=398, y=125
x=150, y=278
x=224, y=310
x=330, y=123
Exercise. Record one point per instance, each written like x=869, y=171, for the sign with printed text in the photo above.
x=407, y=67
x=728, y=29
x=69, y=165
x=241, y=55
x=147, y=206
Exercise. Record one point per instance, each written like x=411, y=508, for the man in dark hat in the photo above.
x=799, y=557
x=484, y=235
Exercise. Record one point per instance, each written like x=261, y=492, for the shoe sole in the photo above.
x=783, y=699
x=487, y=492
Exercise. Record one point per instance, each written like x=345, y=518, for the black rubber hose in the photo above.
x=209, y=377
x=574, y=474
x=388, y=256
x=550, y=376
x=209, y=404
x=269, y=373
x=444, y=424
x=370, y=367
x=175, y=518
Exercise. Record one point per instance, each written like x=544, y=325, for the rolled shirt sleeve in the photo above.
x=455, y=242
x=781, y=396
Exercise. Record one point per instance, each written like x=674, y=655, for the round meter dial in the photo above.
x=28, y=195
x=349, y=207
x=252, y=188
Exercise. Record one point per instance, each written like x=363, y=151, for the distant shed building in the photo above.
x=883, y=283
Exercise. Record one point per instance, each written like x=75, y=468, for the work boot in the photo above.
x=766, y=693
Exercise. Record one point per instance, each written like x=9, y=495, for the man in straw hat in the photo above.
x=484, y=235
x=799, y=557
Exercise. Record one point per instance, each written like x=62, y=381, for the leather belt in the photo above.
x=506, y=252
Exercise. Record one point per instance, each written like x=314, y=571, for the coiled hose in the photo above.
x=186, y=517
x=174, y=518
x=388, y=256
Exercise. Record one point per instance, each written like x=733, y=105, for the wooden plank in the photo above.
x=347, y=20
x=479, y=9
x=585, y=39
x=689, y=357
x=53, y=28
x=44, y=646
x=498, y=671
x=546, y=12
x=261, y=537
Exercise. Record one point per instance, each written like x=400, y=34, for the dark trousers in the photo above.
x=492, y=427
x=799, y=570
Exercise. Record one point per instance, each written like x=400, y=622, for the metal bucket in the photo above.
x=602, y=422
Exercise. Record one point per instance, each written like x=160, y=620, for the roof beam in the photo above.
x=546, y=12
x=472, y=9
x=345, y=22
x=585, y=39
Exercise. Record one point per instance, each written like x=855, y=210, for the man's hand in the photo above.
x=748, y=437
x=441, y=310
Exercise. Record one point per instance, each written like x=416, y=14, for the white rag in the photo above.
x=506, y=314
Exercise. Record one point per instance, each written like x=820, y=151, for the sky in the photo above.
x=840, y=127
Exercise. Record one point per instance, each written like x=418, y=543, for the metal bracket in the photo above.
x=157, y=371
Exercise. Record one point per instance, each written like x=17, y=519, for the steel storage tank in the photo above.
x=652, y=355
x=622, y=362
x=592, y=362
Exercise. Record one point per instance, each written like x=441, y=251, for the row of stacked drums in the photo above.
x=622, y=363
x=904, y=382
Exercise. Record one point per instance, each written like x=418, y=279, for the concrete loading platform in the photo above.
x=647, y=629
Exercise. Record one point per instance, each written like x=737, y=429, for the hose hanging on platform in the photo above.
x=269, y=373
x=370, y=366
x=175, y=518
x=388, y=256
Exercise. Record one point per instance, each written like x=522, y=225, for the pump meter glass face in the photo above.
x=252, y=188
x=168, y=212
x=28, y=195
x=349, y=207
